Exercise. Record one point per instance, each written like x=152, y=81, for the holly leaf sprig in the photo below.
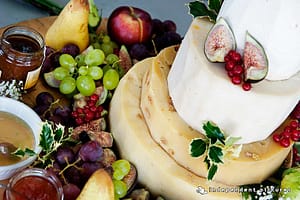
x=205, y=9
x=214, y=146
x=52, y=136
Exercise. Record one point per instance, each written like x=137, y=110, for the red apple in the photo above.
x=129, y=25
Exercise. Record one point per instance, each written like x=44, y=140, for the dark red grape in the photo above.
x=157, y=27
x=90, y=151
x=49, y=50
x=71, y=191
x=40, y=109
x=64, y=155
x=55, y=59
x=169, y=25
x=88, y=168
x=139, y=51
x=71, y=49
x=63, y=111
x=72, y=174
x=167, y=39
x=47, y=65
x=44, y=98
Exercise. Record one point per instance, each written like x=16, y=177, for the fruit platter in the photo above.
x=130, y=109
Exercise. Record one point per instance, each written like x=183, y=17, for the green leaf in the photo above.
x=26, y=152
x=197, y=147
x=215, y=5
x=200, y=9
x=213, y=132
x=215, y=154
x=46, y=137
x=212, y=171
x=59, y=133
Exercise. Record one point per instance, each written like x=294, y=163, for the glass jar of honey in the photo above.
x=22, y=52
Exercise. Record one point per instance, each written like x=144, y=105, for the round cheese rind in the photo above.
x=174, y=135
x=201, y=91
x=156, y=169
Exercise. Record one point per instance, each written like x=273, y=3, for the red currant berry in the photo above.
x=236, y=57
x=294, y=124
x=276, y=137
x=236, y=80
x=79, y=110
x=246, y=86
x=94, y=97
x=285, y=142
x=286, y=134
x=229, y=65
x=79, y=121
x=238, y=69
x=231, y=53
x=93, y=108
x=227, y=58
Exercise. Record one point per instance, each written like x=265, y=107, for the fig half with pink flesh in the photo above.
x=255, y=60
x=220, y=40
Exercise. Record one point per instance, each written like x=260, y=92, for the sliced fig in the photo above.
x=255, y=60
x=125, y=59
x=131, y=178
x=220, y=40
x=50, y=80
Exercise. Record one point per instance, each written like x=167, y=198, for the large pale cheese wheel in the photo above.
x=201, y=91
x=275, y=24
x=156, y=169
x=174, y=135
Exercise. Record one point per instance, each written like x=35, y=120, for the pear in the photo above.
x=99, y=186
x=71, y=26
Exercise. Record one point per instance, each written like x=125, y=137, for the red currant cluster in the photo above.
x=89, y=112
x=290, y=132
x=235, y=69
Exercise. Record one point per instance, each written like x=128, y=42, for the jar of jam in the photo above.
x=34, y=184
x=22, y=52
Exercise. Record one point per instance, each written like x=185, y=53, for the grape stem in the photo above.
x=61, y=173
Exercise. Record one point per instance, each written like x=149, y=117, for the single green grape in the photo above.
x=95, y=72
x=85, y=85
x=120, y=188
x=107, y=48
x=96, y=45
x=66, y=60
x=80, y=60
x=111, y=79
x=83, y=70
x=121, y=168
x=111, y=59
x=106, y=68
x=106, y=39
x=94, y=57
x=67, y=85
x=60, y=73
x=93, y=37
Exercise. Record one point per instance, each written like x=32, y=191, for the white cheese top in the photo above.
x=275, y=24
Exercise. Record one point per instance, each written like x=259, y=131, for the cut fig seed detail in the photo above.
x=255, y=60
x=220, y=40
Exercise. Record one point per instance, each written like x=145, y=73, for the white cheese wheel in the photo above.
x=174, y=135
x=201, y=91
x=156, y=169
x=275, y=24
